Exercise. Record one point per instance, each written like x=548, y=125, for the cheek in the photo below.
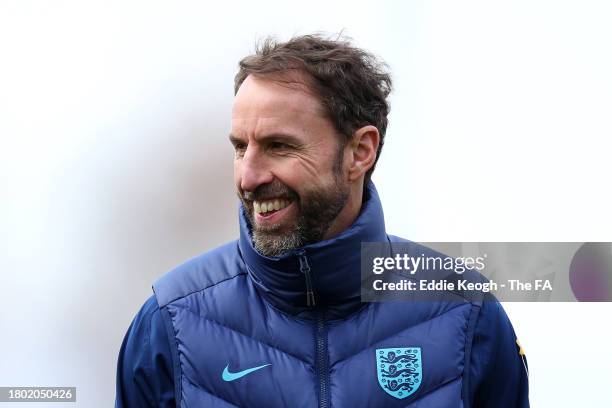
x=312, y=167
x=300, y=176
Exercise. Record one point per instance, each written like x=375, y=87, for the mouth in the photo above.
x=272, y=211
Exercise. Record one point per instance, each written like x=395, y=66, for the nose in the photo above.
x=253, y=170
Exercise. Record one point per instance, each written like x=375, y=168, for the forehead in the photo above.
x=276, y=102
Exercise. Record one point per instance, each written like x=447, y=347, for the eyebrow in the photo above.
x=279, y=137
x=234, y=140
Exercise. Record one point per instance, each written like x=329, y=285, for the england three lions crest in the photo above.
x=399, y=370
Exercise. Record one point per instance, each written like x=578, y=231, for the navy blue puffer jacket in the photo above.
x=232, y=328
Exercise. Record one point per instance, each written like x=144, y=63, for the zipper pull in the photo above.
x=305, y=269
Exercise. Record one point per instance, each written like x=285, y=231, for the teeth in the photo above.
x=262, y=207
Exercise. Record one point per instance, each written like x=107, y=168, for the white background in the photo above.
x=115, y=167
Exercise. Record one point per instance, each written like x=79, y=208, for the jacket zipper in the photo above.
x=322, y=362
x=305, y=269
x=320, y=336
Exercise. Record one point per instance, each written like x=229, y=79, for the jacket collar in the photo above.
x=334, y=265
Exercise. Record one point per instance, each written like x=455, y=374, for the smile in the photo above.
x=267, y=206
x=274, y=211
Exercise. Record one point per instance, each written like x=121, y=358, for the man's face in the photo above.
x=288, y=164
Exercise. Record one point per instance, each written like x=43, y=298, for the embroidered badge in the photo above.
x=399, y=370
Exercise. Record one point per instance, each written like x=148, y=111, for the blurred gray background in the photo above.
x=115, y=165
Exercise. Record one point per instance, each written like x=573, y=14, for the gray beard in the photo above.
x=318, y=210
x=271, y=244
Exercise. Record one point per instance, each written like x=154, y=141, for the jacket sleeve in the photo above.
x=144, y=367
x=498, y=366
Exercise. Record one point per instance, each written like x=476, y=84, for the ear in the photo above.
x=362, y=150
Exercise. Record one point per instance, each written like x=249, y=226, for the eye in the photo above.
x=240, y=148
x=278, y=146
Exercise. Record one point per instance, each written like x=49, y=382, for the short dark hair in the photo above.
x=353, y=84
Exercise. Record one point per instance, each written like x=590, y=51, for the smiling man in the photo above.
x=275, y=318
x=296, y=184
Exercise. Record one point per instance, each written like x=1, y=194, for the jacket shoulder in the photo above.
x=205, y=270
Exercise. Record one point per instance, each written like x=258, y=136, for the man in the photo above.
x=275, y=319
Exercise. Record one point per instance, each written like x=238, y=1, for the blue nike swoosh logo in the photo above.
x=228, y=376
